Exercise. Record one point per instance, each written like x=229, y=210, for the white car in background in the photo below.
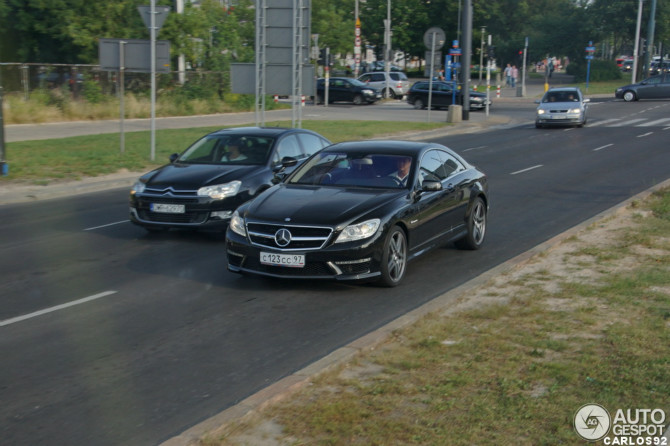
x=564, y=106
x=398, y=82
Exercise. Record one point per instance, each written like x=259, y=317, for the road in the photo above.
x=112, y=336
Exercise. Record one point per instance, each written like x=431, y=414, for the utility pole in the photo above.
x=637, y=43
x=4, y=168
x=467, y=57
x=650, y=38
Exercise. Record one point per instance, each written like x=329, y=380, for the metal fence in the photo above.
x=27, y=77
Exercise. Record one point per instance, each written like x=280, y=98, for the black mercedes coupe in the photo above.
x=201, y=187
x=360, y=211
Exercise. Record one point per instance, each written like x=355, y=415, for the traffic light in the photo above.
x=322, y=57
x=643, y=46
x=520, y=57
x=490, y=52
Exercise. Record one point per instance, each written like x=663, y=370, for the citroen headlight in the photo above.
x=359, y=231
x=220, y=191
x=237, y=225
x=138, y=187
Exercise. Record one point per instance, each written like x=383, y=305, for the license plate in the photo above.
x=288, y=260
x=168, y=208
x=558, y=117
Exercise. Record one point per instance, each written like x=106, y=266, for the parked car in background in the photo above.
x=397, y=81
x=344, y=89
x=360, y=211
x=442, y=96
x=560, y=107
x=201, y=187
x=655, y=87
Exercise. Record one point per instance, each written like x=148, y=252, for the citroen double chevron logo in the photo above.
x=282, y=237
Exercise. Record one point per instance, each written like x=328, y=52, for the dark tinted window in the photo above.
x=450, y=164
x=432, y=167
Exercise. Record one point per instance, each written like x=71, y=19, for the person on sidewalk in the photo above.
x=515, y=75
x=508, y=75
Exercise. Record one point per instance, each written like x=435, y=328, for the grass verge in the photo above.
x=511, y=362
x=45, y=161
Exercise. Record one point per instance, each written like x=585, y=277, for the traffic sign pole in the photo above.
x=590, y=50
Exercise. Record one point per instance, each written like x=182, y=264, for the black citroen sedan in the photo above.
x=360, y=211
x=201, y=188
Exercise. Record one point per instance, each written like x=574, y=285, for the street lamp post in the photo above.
x=481, y=56
x=387, y=50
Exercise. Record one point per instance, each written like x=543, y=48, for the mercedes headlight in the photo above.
x=359, y=231
x=220, y=191
x=237, y=224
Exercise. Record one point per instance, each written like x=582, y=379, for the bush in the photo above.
x=601, y=70
x=92, y=91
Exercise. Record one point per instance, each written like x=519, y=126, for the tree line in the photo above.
x=212, y=35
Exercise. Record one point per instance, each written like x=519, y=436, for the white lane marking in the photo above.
x=104, y=226
x=607, y=121
x=645, y=134
x=526, y=170
x=652, y=123
x=632, y=121
x=603, y=147
x=56, y=308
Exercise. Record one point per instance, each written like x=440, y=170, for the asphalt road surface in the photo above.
x=112, y=336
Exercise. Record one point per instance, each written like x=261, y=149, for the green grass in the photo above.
x=513, y=368
x=42, y=162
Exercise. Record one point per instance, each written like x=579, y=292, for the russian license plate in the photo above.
x=167, y=208
x=289, y=260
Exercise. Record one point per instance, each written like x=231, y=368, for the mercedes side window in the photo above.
x=432, y=167
x=450, y=164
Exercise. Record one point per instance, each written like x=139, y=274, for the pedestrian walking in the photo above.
x=515, y=75
x=508, y=75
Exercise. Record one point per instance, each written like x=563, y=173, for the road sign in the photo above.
x=455, y=52
x=439, y=38
x=137, y=55
x=161, y=14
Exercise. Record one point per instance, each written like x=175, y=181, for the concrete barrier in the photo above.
x=455, y=113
